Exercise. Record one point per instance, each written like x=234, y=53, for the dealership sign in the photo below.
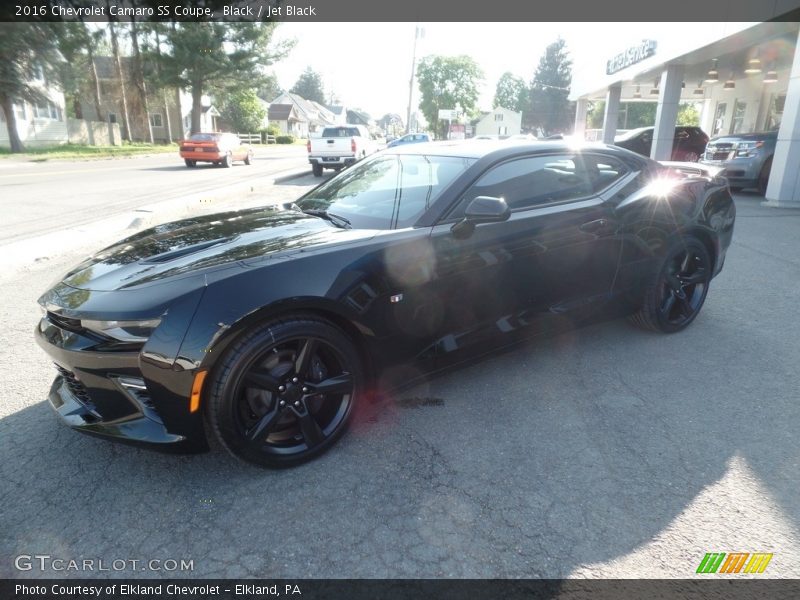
x=631, y=56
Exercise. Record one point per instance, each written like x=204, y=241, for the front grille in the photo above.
x=718, y=151
x=79, y=391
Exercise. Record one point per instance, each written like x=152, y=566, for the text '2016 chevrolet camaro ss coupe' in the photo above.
x=264, y=328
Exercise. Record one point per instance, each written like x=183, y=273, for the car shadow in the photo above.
x=182, y=167
x=565, y=452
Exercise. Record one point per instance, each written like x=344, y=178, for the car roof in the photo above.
x=497, y=148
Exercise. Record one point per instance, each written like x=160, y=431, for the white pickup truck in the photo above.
x=338, y=147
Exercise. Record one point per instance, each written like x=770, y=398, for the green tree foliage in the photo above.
x=549, y=109
x=269, y=89
x=632, y=115
x=447, y=82
x=27, y=50
x=309, y=86
x=209, y=57
x=511, y=93
x=688, y=114
x=244, y=111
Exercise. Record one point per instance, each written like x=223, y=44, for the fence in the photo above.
x=256, y=138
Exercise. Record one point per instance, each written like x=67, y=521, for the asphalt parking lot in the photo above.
x=604, y=452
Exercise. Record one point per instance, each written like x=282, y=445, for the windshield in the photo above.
x=386, y=192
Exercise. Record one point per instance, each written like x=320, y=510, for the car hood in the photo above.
x=745, y=136
x=193, y=246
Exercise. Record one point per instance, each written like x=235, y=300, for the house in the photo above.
x=339, y=113
x=170, y=111
x=288, y=119
x=42, y=123
x=500, y=121
x=359, y=117
x=310, y=117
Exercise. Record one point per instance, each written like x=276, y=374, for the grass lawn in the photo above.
x=80, y=151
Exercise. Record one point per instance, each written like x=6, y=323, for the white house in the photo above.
x=43, y=123
x=500, y=121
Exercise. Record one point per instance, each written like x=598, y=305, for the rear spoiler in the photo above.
x=693, y=169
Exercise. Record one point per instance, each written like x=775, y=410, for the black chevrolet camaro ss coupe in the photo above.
x=262, y=329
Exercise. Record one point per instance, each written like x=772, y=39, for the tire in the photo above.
x=763, y=177
x=677, y=291
x=190, y=163
x=261, y=404
x=248, y=160
x=227, y=161
x=316, y=168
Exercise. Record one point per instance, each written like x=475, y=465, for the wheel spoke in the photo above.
x=668, y=303
x=698, y=276
x=308, y=426
x=262, y=379
x=339, y=384
x=304, y=355
x=686, y=307
x=260, y=431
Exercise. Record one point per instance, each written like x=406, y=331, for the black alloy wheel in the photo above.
x=676, y=296
x=285, y=392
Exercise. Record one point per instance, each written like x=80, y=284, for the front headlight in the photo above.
x=745, y=149
x=123, y=331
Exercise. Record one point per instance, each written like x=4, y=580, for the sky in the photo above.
x=368, y=65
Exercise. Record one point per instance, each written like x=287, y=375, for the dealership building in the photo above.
x=744, y=78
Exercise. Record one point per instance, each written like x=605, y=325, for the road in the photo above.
x=43, y=197
x=604, y=452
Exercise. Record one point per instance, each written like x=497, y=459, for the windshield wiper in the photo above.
x=337, y=220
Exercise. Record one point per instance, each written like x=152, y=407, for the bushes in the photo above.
x=284, y=139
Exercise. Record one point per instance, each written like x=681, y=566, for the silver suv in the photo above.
x=746, y=158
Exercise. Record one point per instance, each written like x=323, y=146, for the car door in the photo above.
x=557, y=252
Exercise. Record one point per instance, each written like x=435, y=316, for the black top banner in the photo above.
x=404, y=11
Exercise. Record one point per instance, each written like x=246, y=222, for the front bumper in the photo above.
x=740, y=172
x=107, y=394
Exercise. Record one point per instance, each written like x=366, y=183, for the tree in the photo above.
x=448, y=82
x=511, y=93
x=309, y=86
x=270, y=88
x=244, y=111
x=549, y=108
x=27, y=50
x=688, y=114
x=218, y=57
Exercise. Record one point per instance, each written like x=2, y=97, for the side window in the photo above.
x=603, y=170
x=529, y=182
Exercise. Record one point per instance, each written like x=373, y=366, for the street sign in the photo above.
x=449, y=114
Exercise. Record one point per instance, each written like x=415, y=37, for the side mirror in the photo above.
x=483, y=209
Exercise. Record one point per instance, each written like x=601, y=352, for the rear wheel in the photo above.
x=316, y=168
x=227, y=161
x=678, y=291
x=190, y=163
x=285, y=392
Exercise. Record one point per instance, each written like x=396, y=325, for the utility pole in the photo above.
x=419, y=32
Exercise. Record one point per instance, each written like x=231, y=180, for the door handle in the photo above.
x=594, y=226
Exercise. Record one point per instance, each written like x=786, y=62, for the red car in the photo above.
x=218, y=148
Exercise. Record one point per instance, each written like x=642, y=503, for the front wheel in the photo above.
x=677, y=292
x=248, y=160
x=763, y=177
x=285, y=392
